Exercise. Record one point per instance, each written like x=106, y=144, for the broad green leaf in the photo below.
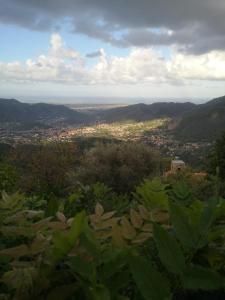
x=196, y=278
x=76, y=227
x=169, y=251
x=89, y=241
x=81, y=267
x=206, y=220
x=151, y=284
x=114, y=264
x=64, y=242
x=119, y=280
x=181, y=193
x=53, y=206
x=153, y=194
x=182, y=227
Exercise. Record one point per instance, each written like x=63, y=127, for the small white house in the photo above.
x=177, y=165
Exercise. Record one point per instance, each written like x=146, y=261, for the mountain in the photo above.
x=143, y=112
x=205, y=123
x=12, y=110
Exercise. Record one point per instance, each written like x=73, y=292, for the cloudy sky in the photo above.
x=119, y=48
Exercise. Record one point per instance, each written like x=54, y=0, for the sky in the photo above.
x=82, y=49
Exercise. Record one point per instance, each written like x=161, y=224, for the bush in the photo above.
x=121, y=167
x=8, y=177
x=45, y=169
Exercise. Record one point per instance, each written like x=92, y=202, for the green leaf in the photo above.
x=182, y=227
x=53, y=206
x=151, y=284
x=81, y=267
x=153, y=194
x=181, y=192
x=119, y=280
x=206, y=220
x=89, y=241
x=169, y=251
x=196, y=278
x=113, y=264
x=64, y=242
x=100, y=292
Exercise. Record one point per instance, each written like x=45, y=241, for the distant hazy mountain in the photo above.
x=12, y=110
x=206, y=122
x=143, y=112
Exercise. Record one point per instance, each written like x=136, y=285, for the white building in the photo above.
x=177, y=165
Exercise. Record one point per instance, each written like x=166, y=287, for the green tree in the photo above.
x=120, y=167
x=45, y=169
x=8, y=177
x=217, y=162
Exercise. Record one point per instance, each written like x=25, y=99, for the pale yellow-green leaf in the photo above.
x=108, y=215
x=16, y=252
x=99, y=210
x=142, y=237
x=136, y=219
x=117, y=237
x=144, y=212
x=127, y=229
x=60, y=216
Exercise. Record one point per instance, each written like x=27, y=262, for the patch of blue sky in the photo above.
x=19, y=44
x=85, y=44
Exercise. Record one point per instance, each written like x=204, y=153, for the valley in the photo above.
x=184, y=129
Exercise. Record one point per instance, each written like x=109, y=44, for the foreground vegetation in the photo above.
x=105, y=224
x=165, y=245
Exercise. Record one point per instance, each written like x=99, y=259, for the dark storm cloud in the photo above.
x=195, y=26
x=94, y=54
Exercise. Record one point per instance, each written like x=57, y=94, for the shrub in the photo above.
x=120, y=167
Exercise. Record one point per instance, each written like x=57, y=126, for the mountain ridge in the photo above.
x=205, y=123
x=12, y=110
x=193, y=122
x=143, y=112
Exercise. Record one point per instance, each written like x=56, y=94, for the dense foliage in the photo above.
x=119, y=166
x=159, y=248
x=57, y=168
x=98, y=224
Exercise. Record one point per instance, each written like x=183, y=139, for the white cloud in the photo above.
x=141, y=66
x=209, y=66
x=56, y=42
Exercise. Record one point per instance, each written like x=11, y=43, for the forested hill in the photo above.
x=206, y=122
x=196, y=122
x=143, y=112
x=12, y=110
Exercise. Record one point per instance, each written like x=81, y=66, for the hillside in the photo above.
x=143, y=112
x=205, y=123
x=12, y=110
